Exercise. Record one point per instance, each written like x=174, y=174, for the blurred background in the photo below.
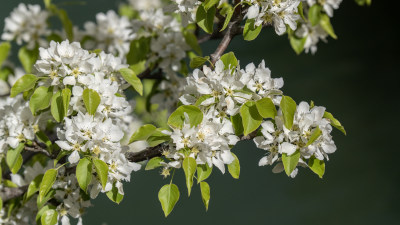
x=353, y=77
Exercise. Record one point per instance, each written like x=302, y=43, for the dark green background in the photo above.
x=353, y=77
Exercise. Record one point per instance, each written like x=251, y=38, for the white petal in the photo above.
x=288, y=148
x=74, y=157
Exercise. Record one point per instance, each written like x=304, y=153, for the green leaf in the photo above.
x=67, y=23
x=266, y=108
x=13, y=155
x=40, y=99
x=290, y=162
x=297, y=43
x=84, y=173
x=138, y=51
x=157, y=138
x=49, y=217
x=205, y=18
x=228, y=18
x=92, y=100
x=23, y=84
x=17, y=165
x=334, y=122
x=41, y=202
x=250, y=117
x=102, y=171
x=198, y=61
x=47, y=182
x=1, y=203
x=205, y=193
x=41, y=211
x=66, y=96
x=234, y=167
x=314, y=14
x=327, y=26
x=4, y=51
x=154, y=163
x=301, y=12
x=114, y=195
x=57, y=106
x=54, y=37
x=139, y=67
x=33, y=187
x=189, y=167
x=143, y=133
x=209, y=3
x=314, y=136
x=288, y=106
x=317, y=166
x=168, y=197
x=202, y=99
x=203, y=172
x=237, y=124
x=42, y=137
x=250, y=31
x=132, y=79
x=191, y=40
x=230, y=61
x=177, y=118
x=47, y=3
x=28, y=58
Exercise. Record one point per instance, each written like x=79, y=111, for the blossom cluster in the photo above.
x=276, y=139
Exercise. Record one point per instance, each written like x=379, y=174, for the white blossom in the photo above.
x=27, y=24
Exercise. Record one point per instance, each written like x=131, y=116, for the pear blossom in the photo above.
x=27, y=24
x=313, y=35
x=145, y=5
x=327, y=5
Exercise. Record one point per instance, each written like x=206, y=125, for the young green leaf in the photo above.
x=314, y=14
x=189, y=167
x=250, y=31
x=250, y=117
x=334, y=122
x=177, y=118
x=57, y=106
x=138, y=50
x=205, y=18
x=266, y=108
x=23, y=84
x=27, y=58
x=102, y=171
x=325, y=23
x=66, y=22
x=288, y=106
x=228, y=18
x=154, y=163
x=49, y=217
x=66, y=98
x=132, y=79
x=41, y=211
x=191, y=40
x=114, y=195
x=203, y=172
x=33, y=187
x=230, y=61
x=91, y=99
x=297, y=43
x=168, y=197
x=13, y=155
x=47, y=182
x=290, y=161
x=317, y=166
x=198, y=61
x=84, y=173
x=157, y=138
x=301, y=12
x=17, y=165
x=209, y=3
x=143, y=133
x=1, y=203
x=202, y=99
x=40, y=99
x=314, y=136
x=41, y=202
x=234, y=167
x=237, y=124
x=4, y=51
x=205, y=193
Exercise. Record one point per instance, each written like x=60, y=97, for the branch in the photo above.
x=148, y=74
x=7, y=193
x=146, y=154
x=232, y=30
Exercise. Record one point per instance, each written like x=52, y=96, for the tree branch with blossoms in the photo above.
x=88, y=107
